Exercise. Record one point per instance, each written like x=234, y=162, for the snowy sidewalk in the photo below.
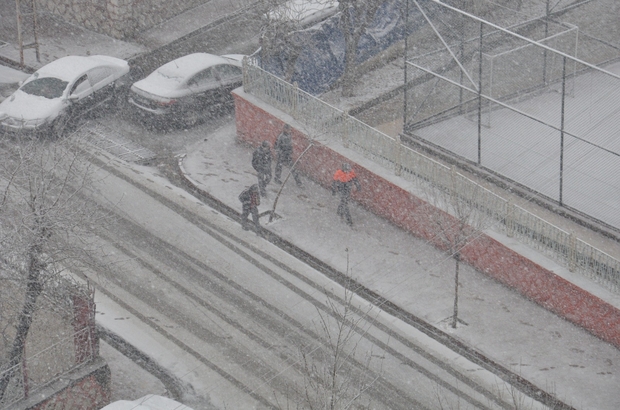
x=548, y=351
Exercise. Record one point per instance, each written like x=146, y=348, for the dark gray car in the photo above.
x=186, y=89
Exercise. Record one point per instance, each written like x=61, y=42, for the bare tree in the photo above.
x=339, y=370
x=44, y=220
x=458, y=220
x=281, y=36
x=355, y=17
x=283, y=33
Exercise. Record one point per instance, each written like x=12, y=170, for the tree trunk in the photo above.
x=352, y=36
x=348, y=78
x=456, y=290
x=33, y=290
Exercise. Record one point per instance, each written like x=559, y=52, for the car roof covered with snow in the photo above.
x=68, y=68
x=187, y=66
x=170, y=80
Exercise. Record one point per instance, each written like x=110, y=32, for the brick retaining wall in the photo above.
x=86, y=388
x=405, y=210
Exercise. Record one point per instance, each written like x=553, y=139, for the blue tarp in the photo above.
x=321, y=61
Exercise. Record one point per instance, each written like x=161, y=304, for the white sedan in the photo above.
x=61, y=91
x=183, y=90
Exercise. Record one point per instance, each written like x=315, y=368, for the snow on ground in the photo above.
x=579, y=368
x=517, y=333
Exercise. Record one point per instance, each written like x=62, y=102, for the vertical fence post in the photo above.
x=244, y=72
x=480, y=96
x=405, y=65
x=510, y=215
x=295, y=100
x=562, y=129
x=398, y=162
x=548, y=11
x=345, y=129
x=453, y=192
x=572, y=252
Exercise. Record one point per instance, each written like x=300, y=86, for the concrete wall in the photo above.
x=116, y=18
x=257, y=122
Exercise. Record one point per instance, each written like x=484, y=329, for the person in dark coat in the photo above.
x=261, y=162
x=284, y=155
x=344, y=180
x=250, y=200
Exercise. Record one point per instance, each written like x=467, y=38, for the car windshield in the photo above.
x=47, y=87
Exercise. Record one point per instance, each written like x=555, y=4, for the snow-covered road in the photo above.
x=228, y=313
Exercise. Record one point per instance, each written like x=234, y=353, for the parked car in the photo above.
x=303, y=13
x=10, y=80
x=185, y=89
x=148, y=402
x=63, y=91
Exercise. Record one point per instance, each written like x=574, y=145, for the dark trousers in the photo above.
x=343, y=209
x=263, y=180
x=245, y=212
x=288, y=163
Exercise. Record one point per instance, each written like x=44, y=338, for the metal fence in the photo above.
x=38, y=370
x=519, y=103
x=324, y=122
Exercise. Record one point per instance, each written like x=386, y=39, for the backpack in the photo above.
x=244, y=196
x=255, y=161
x=284, y=144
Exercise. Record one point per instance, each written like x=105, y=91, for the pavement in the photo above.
x=550, y=352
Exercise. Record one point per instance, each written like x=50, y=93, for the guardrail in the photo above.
x=37, y=371
x=330, y=123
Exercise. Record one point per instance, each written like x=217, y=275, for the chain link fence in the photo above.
x=522, y=103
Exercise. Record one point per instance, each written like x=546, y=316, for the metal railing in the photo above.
x=37, y=371
x=333, y=124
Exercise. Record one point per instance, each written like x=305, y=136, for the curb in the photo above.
x=172, y=384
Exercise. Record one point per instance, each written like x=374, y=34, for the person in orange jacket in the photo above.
x=343, y=182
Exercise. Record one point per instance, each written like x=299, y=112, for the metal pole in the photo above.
x=275, y=202
x=545, y=50
x=562, y=128
x=462, y=55
x=480, y=98
x=405, y=64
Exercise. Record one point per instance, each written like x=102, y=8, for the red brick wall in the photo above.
x=86, y=390
x=86, y=340
x=409, y=212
